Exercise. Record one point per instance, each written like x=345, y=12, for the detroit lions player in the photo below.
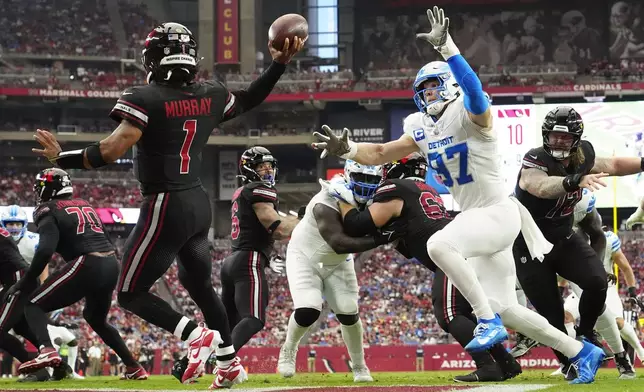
x=587, y=222
x=15, y=220
x=454, y=130
x=319, y=267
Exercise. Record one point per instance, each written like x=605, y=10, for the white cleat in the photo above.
x=362, y=374
x=76, y=376
x=286, y=362
x=557, y=372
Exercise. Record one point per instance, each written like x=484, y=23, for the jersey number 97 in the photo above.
x=438, y=160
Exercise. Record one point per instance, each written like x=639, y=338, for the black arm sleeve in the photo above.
x=359, y=223
x=259, y=89
x=49, y=236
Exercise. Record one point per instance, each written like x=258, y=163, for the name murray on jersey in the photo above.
x=188, y=107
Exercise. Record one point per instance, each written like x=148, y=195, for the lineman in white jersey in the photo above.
x=587, y=222
x=454, y=130
x=319, y=266
x=14, y=219
x=613, y=255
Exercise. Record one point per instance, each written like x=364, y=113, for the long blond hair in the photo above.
x=578, y=158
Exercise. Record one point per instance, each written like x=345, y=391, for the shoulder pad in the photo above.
x=258, y=192
x=535, y=159
x=131, y=106
x=413, y=126
x=40, y=212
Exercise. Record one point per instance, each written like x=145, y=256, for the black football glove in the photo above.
x=612, y=278
x=301, y=212
x=16, y=288
x=632, y=292
x=391, y=232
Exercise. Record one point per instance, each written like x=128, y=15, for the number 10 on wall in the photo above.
x=516, y=134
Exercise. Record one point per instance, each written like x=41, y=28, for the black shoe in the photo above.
x=523, y=346
x=624, y=366
x=38, y=376
x=510, y=367
x=569, y=372
x=179, y=368
x=61, y=372
x=596, y=339
x=488, y=373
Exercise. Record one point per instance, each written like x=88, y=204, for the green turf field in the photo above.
x=530, y=380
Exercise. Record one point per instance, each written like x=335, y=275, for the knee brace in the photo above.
x=305, y=317
x=58, y=342
x=348, y=319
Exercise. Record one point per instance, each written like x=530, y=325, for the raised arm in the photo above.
x=475, y=101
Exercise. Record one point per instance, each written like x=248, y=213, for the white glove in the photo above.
x=339, y=189
x=278, y=264
x=439, y=36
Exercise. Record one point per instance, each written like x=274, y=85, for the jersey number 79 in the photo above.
x=437, y=162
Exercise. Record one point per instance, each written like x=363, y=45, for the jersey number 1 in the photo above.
x=85, y=213
x=190, y=128
x=437, y=162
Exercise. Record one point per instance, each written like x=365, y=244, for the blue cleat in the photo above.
x=486, y=334
x=587, y=363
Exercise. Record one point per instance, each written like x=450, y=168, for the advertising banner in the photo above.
x=227, y=31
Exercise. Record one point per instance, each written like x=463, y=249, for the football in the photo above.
x=288, y=26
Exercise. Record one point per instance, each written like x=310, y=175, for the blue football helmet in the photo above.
x=363, y=180
x=447, y=89
x=10, y=217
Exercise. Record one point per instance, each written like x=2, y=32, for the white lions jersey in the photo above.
x=466, y=159
x=306, y=237
x=28, y=245
x=584, y=207
x=613, y=245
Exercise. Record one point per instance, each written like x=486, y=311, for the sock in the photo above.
x=191, y=332
x=50, y=370
x=535, y=326
x=607, y=327
x=245, y=329
x=225, y=355
x=629, y=334
x=352, y=336
x=71, y=357
x=591, y=306
x=570, y=329
x=294, y=334
x=462, y=276
x=523, y=300
x=462, y=329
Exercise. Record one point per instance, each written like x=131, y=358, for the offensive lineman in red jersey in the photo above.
x=169, y=120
